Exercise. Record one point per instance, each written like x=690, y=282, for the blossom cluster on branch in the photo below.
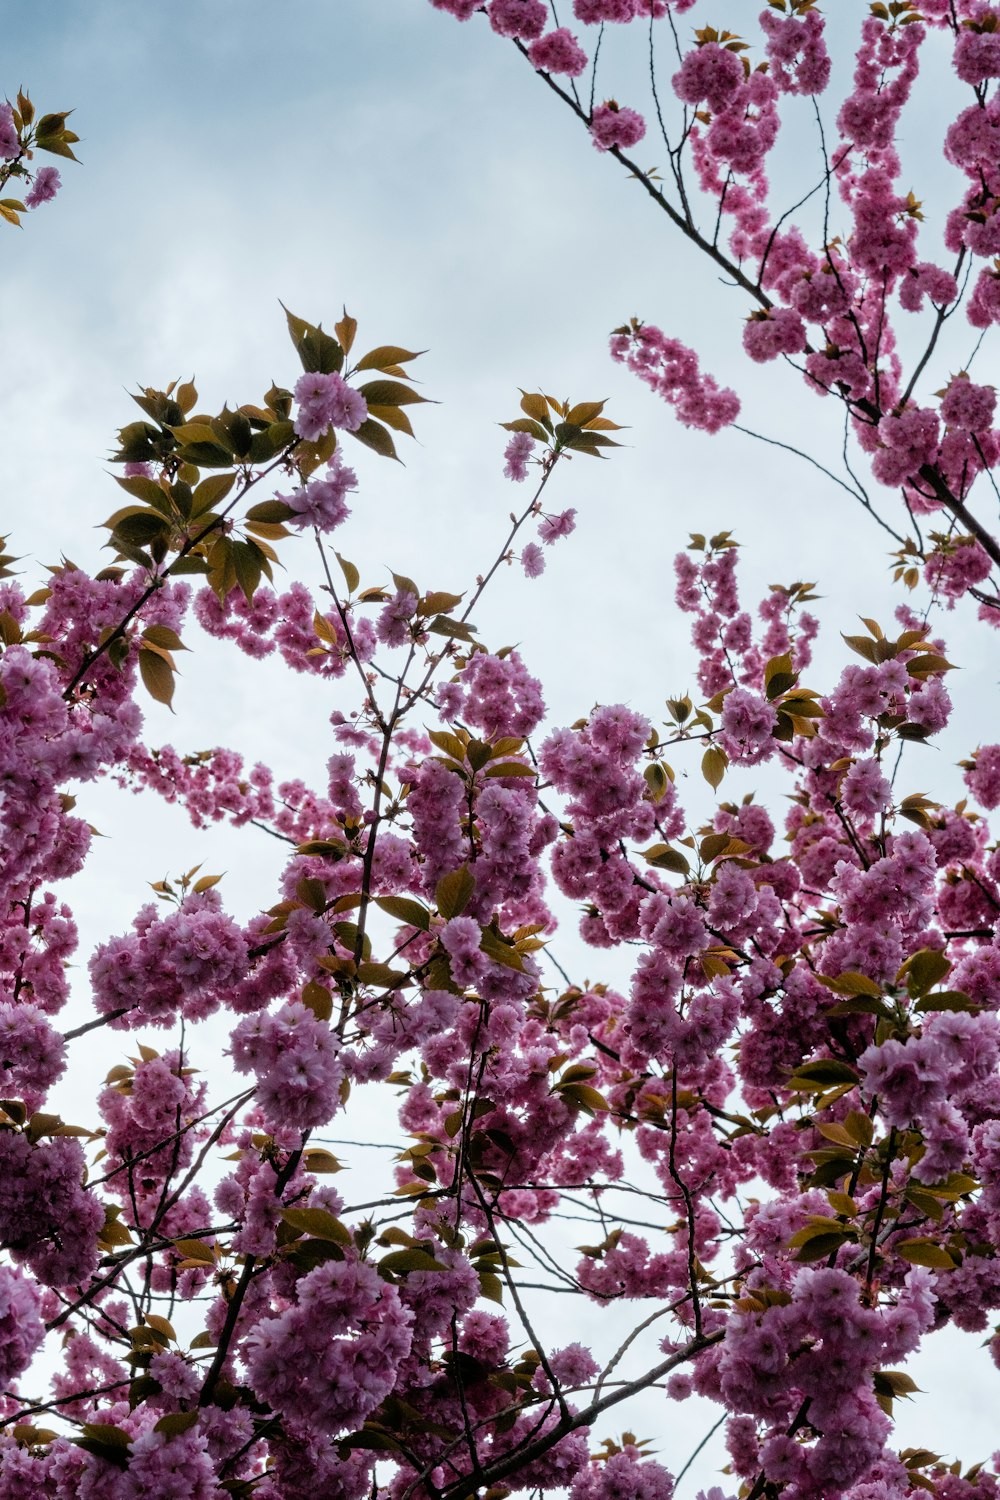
x=799, y=1061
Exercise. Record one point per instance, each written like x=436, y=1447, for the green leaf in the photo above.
x=268, y=443
x=377, y=437
x=176, y=1422
x=948, y=1000
x=399, y=1262
x=247, y=562
x=141, y=488
x=405, y=910
x=454, y=891
x=924, y=1252
x=824, y=1071
x=319, y=1224
x=140, y=528
x=923, y=970
x=157, y=676
x=211, y=490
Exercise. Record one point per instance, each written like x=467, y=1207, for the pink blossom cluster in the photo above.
x=672, y=370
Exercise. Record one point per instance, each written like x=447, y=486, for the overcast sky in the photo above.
x=376, y=153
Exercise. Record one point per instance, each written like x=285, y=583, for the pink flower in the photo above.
x=533, y=560
x=983, y=776
x=747, y=722
x=709, y=74
x=780, y=331
x=968, y=406
x=551, y=528
x=321, y=502
x=977, y=55
x=327, y=401
x=558, y=52
x=516, y=454
x=612, y=126
x=44, y=188
x=524, y=19
x=9, y=143
x=671, y=369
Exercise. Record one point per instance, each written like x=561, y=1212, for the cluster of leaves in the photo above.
x=562, y=427
x=47, y=133
x=181, y=521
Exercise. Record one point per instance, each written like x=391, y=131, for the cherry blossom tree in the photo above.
x=783, y=1129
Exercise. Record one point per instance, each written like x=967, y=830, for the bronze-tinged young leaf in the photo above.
x=387, y=355
x=318, y=1224
x=454, y=891
x=662, y=857
x=510, y=768
x=390, y=393
x=851, y=983
x=195, y=1250
x=317, y=998
x=345, y=331
x=820, y=1246
x=438, y=602
x=393, y=417
x=713, y=766
x=524, y=424
x=500, y=952
x=928, y=665
x=321, y=1162
x=157, y=676
x=584, y=412
x=162, y=635
x=535, y=407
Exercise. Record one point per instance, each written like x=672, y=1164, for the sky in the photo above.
x=379, y=155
